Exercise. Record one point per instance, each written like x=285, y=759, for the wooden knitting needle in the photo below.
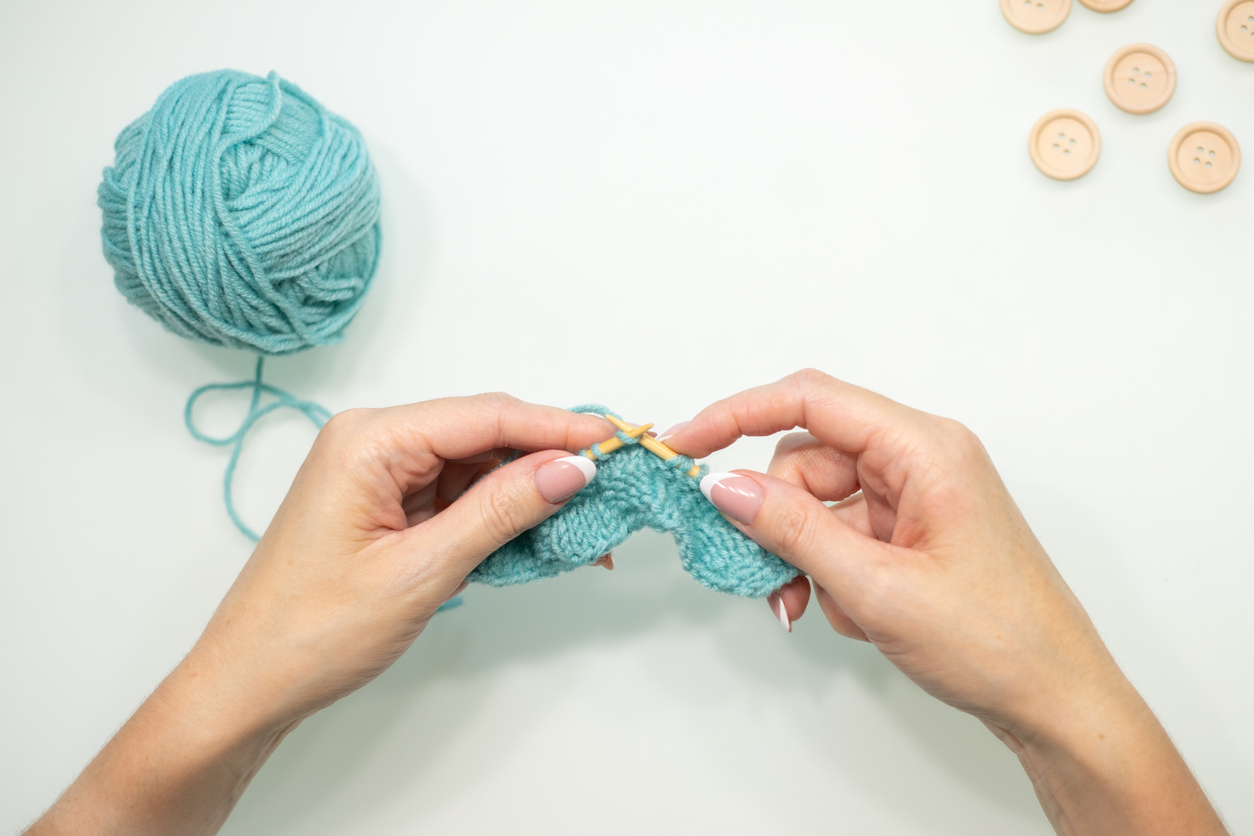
x=612, y=444
x=651, y=444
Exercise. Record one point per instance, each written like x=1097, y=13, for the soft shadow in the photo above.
x=309, y=777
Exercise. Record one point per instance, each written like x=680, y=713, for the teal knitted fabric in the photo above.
x=635, y=489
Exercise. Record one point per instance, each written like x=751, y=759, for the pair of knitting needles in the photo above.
x=647, y=441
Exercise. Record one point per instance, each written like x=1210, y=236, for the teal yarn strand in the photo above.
x=283, y=400
x=240, y=212
x=317, y=415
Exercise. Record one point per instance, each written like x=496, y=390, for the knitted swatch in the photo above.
x=634, y=489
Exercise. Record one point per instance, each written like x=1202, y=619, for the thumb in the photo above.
x=497, y=508
x=794, y=525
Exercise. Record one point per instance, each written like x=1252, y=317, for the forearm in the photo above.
x=1112, y=769
x=178, y=766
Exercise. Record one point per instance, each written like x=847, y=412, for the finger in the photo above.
x=854, y=512
x=606, y=560
x=813, y=466
x=409, y=444
x=457, y=428
x=791, y=523
x=788, y=603
x=499, y=507
x=456, y=477
x=487, y=455
x=839, y=414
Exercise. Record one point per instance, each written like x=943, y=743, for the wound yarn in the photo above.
x=240, y=212
x=635, y=489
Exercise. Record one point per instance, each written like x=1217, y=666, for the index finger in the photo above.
x=839, y=414
x=465, y=427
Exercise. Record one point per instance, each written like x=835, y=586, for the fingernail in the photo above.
x=606, y=560
x=562, y=478
x=776, y=603
x=665, y=435
x=739, y=497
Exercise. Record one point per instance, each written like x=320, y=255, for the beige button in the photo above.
x=1036, y=17
x=1235, y=28
x=1105, y=6
x=1065, y=144
x=1204, y=157
x=1140, y=78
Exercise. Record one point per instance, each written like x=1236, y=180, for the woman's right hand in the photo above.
x=926, y=555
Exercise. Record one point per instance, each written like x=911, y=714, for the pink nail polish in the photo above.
x=562, y=478
x=739, y=497
x=673, y=430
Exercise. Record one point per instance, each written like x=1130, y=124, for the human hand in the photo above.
x=926, y=555
x=377, y=530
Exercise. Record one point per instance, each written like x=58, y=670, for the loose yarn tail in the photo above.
x=316, y=413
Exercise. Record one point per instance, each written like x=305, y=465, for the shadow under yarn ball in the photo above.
x=240, y=212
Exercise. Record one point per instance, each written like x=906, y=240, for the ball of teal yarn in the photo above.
x=242, y=213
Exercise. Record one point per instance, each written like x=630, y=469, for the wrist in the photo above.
x=177, y=766
x=1101, y=763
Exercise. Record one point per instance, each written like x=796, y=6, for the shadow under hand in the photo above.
x=406, y=728
x=439, y=720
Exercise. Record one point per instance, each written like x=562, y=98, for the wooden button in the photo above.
x=1065, y=144
x=1235, y=28
x=1105, y=6
x=1204, y=157
x=1140, y=78
x=1036, y=17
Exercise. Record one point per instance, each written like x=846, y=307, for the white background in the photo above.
x=651, y=205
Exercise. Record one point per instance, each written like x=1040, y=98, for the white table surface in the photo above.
x=834, y=184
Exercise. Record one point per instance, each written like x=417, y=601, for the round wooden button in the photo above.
x=1065, y=144
x=1204, y=157
x=1235, y=28
x=1105, y=6
x=1036, y=17
x=1140, y=78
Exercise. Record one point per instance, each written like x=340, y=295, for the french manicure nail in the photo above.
x=662, y=436
x=739, y=497
x=776, y=603
x=562, y=478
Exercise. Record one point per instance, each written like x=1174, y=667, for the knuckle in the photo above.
x=343, y=426
x=794, y=529
x=792, y=452
x=962, y=440
x=502, y=508
x=809, y=377
x=496, y=401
